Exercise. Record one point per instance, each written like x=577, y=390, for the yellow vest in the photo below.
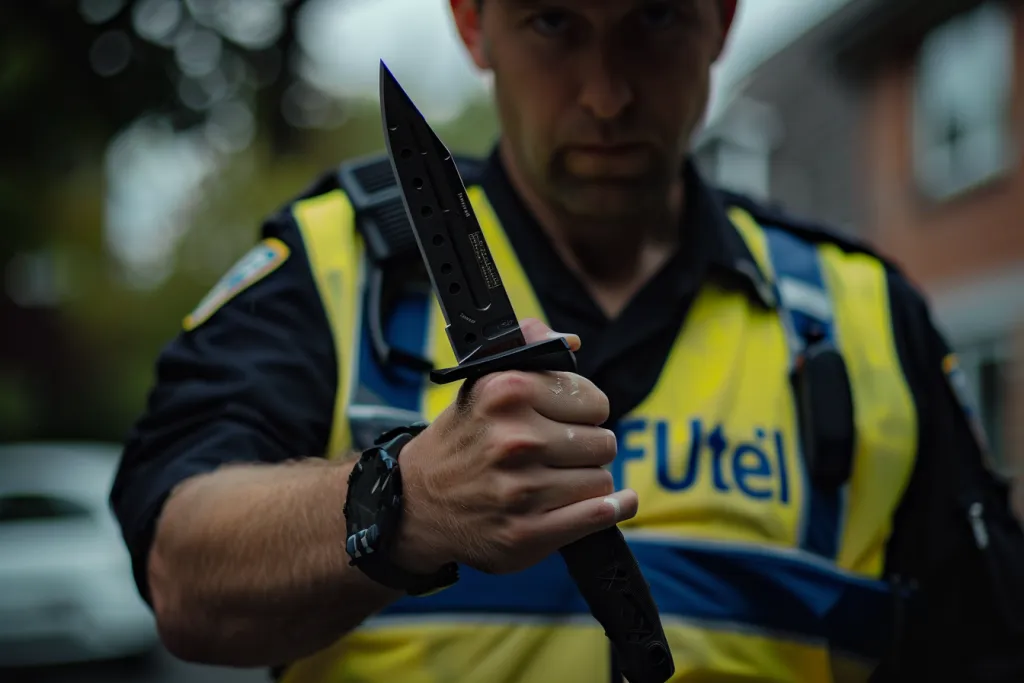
x=727, y=513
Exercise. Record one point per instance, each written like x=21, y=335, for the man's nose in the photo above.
x=605, y=91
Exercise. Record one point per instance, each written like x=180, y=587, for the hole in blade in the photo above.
x=454, y=288
x=417, y=183
x=426, y=212
x=446, y=269
x=438, y=240
x=406, y=153
x=392, y=128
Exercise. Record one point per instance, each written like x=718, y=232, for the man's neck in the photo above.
x=614, y=262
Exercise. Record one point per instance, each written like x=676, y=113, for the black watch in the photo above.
x=373, y=513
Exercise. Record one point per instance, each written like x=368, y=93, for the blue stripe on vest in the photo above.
x=764, y=591
x=405, y=329
x=798, y=260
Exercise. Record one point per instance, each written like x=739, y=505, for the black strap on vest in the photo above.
x=393, y=258
x=818, y=371
x=395, y=266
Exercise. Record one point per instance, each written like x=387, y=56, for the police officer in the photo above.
x=815, y=504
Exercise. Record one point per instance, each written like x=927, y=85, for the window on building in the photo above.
x=962, y=102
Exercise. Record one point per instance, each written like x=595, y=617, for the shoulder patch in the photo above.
x=958, y=383
x=258, y=262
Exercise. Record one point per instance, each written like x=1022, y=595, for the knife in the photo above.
x=484, y=333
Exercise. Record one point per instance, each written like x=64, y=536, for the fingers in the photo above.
x=534, y=331
x=562, y=526
x=567, y=487
x=570, y=398
x=559, y=396
x=571, y=446
x=536, y=489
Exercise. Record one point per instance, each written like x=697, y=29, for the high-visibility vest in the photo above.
x=758, y=575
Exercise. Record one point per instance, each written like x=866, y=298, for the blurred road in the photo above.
x=159, y=668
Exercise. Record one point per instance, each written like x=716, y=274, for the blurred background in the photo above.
x=145, y=140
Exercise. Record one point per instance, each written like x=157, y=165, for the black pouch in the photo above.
x=825, y=401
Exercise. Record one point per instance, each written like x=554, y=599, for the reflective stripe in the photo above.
x=797, y=274
x=806, y=305
x=885, y=415
x=333, y=249
x=783, y=595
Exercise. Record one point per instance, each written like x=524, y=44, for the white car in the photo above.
x=66, y=588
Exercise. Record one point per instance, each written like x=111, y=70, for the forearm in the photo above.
x=248, y=567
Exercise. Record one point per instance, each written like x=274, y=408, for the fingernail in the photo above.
x=571, y=338
x=616, y=505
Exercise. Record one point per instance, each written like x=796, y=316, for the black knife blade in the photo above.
x=479, y=316
x=484, y=333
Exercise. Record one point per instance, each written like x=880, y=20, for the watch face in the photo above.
x=374, y=502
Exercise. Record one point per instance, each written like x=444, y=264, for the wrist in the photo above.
x=376, y=521
x=418, y=547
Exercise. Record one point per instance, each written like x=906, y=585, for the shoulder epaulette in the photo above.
x=805, y=229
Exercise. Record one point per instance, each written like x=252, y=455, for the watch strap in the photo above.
x=369, y=548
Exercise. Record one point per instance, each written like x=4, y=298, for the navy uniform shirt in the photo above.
x=256, y=382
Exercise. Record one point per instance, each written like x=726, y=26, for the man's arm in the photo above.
x=969, y=577
x=248, y=567
x=244, y=563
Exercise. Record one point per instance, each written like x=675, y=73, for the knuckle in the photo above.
x=607, y=447
x=593, y=399
x=602, y=515
x=513, y=537
x=605, y=482
x=504, y=391
x=513, y=443
x=601, y=406
x=515, y=494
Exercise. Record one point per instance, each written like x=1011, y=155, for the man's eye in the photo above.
x=659, y=15
x=550, y=23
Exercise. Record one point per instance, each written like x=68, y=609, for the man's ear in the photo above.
x=468, y=23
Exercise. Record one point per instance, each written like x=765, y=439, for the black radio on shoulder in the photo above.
x=373, y=514
x=827, y=424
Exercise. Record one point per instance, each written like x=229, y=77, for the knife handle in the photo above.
x=610, y=580
x=601, y=564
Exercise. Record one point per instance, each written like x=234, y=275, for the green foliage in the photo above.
x=77, y=357
x=121, y=329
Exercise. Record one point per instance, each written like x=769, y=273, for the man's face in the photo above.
x=598, y=99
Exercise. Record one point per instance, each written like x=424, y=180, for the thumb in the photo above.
x=535, y=331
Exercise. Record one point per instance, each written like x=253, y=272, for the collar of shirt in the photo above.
x=710, y=247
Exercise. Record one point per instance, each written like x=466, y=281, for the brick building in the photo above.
x=903, y=121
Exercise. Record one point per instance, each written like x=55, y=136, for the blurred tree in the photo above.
x=76, y=77
x=88, y=67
